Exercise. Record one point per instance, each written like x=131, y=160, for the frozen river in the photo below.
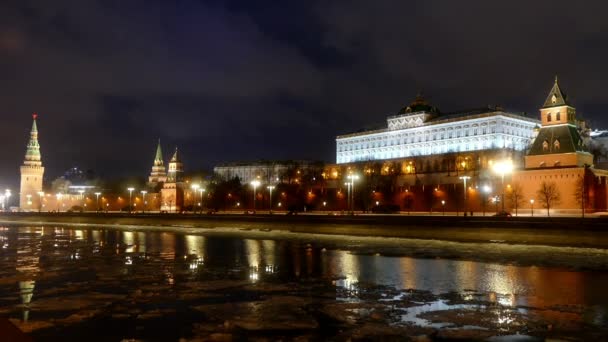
x=110, y=284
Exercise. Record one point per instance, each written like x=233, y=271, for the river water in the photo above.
x=113, y=284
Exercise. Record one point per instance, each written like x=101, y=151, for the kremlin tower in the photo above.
x=32, y=172
x=172, y=193
x=158, y=175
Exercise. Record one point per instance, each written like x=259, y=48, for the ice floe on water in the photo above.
x=186, y=283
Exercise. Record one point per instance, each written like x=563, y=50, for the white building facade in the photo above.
x=424, y=132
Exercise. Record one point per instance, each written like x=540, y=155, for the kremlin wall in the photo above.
x=484, y=161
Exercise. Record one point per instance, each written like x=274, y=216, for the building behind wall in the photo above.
x=269, y=172
x=421, y=130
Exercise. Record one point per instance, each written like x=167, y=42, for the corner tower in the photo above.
x=558, y=142
x=32, y=172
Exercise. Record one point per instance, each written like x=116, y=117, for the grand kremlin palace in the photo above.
x=430, y=155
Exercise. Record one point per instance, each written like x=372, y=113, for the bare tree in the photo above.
x=548, y=195
x=516, y=196
x=579, y=193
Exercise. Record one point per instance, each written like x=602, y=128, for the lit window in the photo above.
x=556, y=144
x=545, y=145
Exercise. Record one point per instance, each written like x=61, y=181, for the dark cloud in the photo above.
x=236, y=80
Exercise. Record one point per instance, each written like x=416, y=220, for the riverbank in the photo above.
x=561, y=231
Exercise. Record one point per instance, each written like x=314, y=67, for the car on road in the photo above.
x=503, y=214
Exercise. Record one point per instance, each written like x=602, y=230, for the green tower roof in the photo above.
x=556, y=97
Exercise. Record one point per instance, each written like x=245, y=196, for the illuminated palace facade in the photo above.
x=422, y=159
x=420, y=130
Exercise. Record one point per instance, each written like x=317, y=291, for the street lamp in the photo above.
x=465, y=178
x=486, y=190
x=143, y=197
x=443, y=205
x=195, y=187
x=255, y=184
x=2, y=200
x=59, y=196
x=40, y=196
x=130, y=189
x=97, y=200
x=81, y=196
x=503, y=167
x=270, y=188
x=347, y=195
x=352, y=193
x=7, y=196
x=532, y=206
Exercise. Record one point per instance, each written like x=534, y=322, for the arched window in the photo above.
x=556, y=144
x=557, y=116
x=545, y=145
x=549, y=117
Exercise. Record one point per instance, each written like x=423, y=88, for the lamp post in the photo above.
x=532, y=206
x=465, y=178
x=486, y=190
x=143, y=198
x=195, y=187
x=130, y=189
x=443, y=205
x=255, y=184
x=40, y=196
x=202, y=190
x=503, y=167
x=347, y=195
x=81, y=192
x=352, y=193
x=270, y=188
x=7, y=197
x=2, y=200
x=97, y=200
x=59, y=196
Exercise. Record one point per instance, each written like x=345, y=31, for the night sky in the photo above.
x=248, y=80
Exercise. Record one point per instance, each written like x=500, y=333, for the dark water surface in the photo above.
x=61, y=283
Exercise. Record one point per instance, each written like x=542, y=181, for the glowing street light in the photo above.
x=59, y=196
x=195, y=187
x=2, y=200
x=486, y=190
x=352, y=193
x=143, y=197
x=7, y=195
x=97, y=200
x=270, y=188
x=503, y=167
x=81, y=192
x=130, y=189
x=532, y=206
x=255, y=184
x=465, y=178
x=443, y=206
x=40, y=196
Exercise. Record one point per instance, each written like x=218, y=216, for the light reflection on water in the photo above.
x=30, y=254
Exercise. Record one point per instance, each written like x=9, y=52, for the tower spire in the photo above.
x=556, y=97
x=158, y=174
x=158, y=159
x=32, y=154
